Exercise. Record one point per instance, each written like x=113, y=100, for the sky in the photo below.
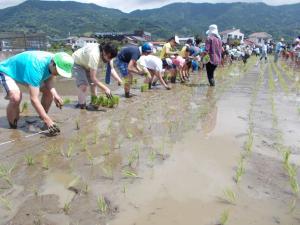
x=130, y=5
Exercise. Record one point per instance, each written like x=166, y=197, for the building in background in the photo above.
x=260, y=37
x=84, y=41
x=138, y=35
x=183, y=40
x=19, y=41
x=232, y=35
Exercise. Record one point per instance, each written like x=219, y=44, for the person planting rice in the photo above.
x=213, y=48
x=152, y=65
x=35, y=70
x=87, y=63
x=126, y=62
x=185, y=51
x=246, y=54
x=182, y=66
x=166, y=53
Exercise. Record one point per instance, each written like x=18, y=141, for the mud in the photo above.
x=161, y=157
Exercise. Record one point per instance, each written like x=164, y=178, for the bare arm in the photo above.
x=57, y=99
x=114, y=73
x=34, y=97
x=132, y=67
x=94, y=79
x=169, y=52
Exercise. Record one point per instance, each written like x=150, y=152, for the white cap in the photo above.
x=213, y=29
x=177, y=39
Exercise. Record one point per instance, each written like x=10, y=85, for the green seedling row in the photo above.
x=105, y=101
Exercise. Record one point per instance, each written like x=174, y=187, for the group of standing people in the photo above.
x=37, y=70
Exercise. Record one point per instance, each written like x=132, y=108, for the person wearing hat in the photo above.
x=152, y=66
x=35, y=70
x=278, y=49
x=213, y=49
x=166, y=53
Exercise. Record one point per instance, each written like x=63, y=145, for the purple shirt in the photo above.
x=213, y=46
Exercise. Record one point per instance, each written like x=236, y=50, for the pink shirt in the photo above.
x=178, y=61
x=213, y=46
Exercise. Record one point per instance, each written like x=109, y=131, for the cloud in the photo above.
x=130, y=5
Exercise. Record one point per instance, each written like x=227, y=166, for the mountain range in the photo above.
x=61, y=18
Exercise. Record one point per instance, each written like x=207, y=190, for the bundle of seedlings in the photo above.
x=144, y=87
x=104, y=101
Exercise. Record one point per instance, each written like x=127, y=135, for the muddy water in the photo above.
x=161, y=157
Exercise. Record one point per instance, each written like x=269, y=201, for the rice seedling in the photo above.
x=151, y=157
x=286, y=157
x=282, y=82
x=5, y=173
x=67, y=207
x=224, y=217
x=229, y=195
x=83, y=143
x=77, y=124
x=294, y=185
x=293, y=205
x=144, y=87
x=67, y=101
x=129, y=134
x=133, y=156
x=106, y=150
x=90, y=158
x=249, y=142
x=134, y=81
x=25, y=107
x=271, y=81
x=102, y=205
x=291, y=169
x=129, y=174
x=94, y=100
x=6, y=203
x=86, y=188
x=70, y=150
x=124, y=188
x=105, y=101
x=29, y=160
x=95, y=136
x=45, y=164
x=240, y=170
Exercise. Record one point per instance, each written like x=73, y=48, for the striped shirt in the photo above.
x=213, y=46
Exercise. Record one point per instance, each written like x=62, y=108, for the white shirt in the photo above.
x=151, y=62
x=88, y=57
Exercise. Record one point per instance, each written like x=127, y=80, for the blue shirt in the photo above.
x=279, y=47
x=129, y=53
x=29, y=68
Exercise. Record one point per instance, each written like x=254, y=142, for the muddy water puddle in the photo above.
x=161, y=157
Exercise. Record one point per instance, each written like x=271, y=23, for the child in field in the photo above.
x=182, y=67
x=166, y=53
x=152, y=65
x=87, y=63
